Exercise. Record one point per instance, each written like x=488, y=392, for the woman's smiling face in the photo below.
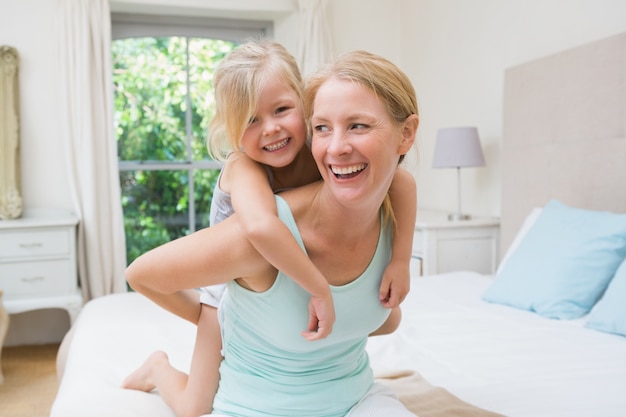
x=355, y=142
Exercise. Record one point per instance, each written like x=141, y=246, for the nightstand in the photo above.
x=38, y=262
x=440, y=245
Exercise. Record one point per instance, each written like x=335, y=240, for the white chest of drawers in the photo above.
x=38, y=262
x=440, y=245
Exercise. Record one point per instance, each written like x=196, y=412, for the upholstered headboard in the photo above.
x=564, y=132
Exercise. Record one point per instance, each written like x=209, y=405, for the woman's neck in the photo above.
x=340, y=222
x=333, y=234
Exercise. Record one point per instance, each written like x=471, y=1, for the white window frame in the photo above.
x=126, y=25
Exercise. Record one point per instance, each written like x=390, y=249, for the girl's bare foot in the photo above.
x=141, y=379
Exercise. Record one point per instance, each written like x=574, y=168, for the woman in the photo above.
x=363, y=114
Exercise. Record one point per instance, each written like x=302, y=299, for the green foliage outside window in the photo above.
x=163, y=103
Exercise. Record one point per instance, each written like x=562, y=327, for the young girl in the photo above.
x=259, y=130
x=260, y=133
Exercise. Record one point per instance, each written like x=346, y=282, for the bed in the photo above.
x=491, y=356
x=469, y=344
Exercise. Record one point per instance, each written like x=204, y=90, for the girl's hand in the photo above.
x=321, y=317
x=395, y=284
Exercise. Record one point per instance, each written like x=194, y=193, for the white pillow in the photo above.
x=528, y=223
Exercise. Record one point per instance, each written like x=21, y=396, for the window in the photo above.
x=163, y=82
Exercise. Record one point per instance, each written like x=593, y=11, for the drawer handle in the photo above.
x=31, y=245
x=32, y=279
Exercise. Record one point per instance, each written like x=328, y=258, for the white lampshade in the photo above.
x=458, y=147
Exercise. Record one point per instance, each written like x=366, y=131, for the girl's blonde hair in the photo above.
x=388, y=82
x=237, y=82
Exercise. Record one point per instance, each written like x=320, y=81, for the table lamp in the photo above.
x=458, y=147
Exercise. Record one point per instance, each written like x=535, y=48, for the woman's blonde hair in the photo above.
x=238, y=80
x=388, y=82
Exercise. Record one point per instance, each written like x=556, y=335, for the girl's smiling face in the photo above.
x=277, y=131
x=355, y=142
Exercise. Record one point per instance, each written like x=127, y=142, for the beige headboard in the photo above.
x=564, y=133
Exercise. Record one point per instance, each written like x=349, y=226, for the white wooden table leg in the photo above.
x=4, y=327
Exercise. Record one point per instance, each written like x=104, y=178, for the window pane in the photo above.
x=204, y=56
x=163, y=92
x=149, y=76
x=156, y=208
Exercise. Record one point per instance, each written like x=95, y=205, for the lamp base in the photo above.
x=458, y=217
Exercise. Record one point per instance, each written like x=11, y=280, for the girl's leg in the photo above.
x=186, y=395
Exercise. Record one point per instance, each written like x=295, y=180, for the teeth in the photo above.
x=276, y=146
x=347, y=170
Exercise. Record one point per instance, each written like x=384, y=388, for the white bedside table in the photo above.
x=440, y=245
x=38, y=262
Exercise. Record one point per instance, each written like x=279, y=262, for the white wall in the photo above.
x=455, y=51
x=29, y=26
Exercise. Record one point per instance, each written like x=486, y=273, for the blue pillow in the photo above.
x=563, y=264
x=609, y=314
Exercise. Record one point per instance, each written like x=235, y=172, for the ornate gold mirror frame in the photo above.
x=10, y=194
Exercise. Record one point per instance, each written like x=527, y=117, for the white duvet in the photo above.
x=495, y=357
x=502, y=359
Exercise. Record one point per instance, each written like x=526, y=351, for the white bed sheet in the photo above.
x=113, y=336
x=495, y=357
x=506, y=360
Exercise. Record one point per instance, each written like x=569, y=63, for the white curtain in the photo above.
x=86, y=101
x=314, y=41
